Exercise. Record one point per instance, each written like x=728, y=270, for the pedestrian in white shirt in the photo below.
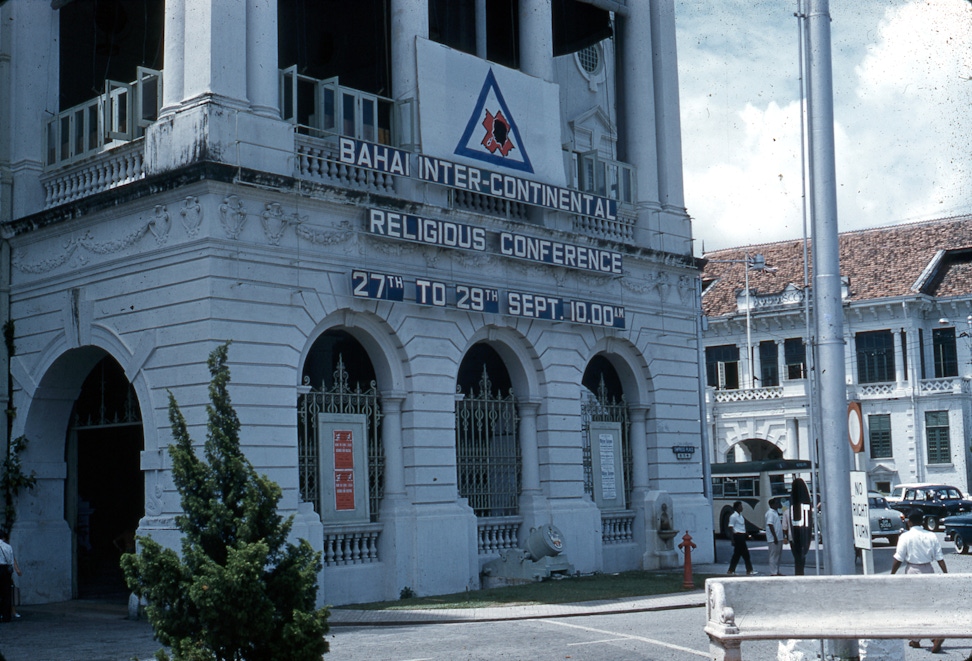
x=737, y=523
x=917, y=549
x=774, y=536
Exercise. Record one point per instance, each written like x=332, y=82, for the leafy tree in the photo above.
x=240, y=590
x=13, y=480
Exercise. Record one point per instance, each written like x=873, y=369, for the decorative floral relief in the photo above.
x=87, y=243
x=641, y=286
x=232, y=216
x=192, y=215
x=160, y=224
x=325, y=237
x=275, y=222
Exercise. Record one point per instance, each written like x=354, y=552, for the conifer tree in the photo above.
x=239, y=591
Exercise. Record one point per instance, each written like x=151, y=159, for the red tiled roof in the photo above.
x=885, y=262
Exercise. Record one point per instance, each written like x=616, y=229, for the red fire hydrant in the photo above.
x=687, y=546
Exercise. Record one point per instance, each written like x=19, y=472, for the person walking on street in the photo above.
x=917, y=549
x=774, y=536
x=8, y=565
x=797, y=526
x=737, y=524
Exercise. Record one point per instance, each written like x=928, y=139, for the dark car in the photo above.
x=934, y=501
x=959, y=530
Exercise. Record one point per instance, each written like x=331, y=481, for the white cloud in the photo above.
x=902, y=101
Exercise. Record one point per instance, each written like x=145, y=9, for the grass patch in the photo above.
x=552, y=591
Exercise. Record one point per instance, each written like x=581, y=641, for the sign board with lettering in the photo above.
x=860, y=510
x=342, y=448
x=607, y=464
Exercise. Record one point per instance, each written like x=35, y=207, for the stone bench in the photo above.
x=835, y=607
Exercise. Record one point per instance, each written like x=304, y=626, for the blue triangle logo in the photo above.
x=491, y=134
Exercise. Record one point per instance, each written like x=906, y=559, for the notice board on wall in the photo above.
x=343, y=452
x=607, y=464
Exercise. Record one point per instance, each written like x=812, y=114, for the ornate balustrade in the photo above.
x=498, y=533
x=117, y=167
x=353, y=544
x=317, y=160
x=617, y=527
x=621, y=229
x=749, y=394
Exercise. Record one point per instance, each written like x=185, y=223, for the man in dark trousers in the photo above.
x=737, y=524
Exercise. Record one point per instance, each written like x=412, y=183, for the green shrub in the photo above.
x=239, y=590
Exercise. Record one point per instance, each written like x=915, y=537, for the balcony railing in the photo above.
x=116, y=117
x=749, y=394
x=323, y=108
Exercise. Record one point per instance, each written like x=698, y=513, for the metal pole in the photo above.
x=835, y=449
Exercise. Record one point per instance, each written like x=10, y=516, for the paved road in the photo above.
x=98, y=631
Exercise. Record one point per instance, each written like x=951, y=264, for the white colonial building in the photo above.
x=446, y=238
x=908, y=335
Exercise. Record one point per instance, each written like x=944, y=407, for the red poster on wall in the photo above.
x=343, y=469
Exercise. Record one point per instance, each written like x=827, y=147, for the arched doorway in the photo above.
x=753, y=449
x=339, y=378
x=603, y=406
x=488, y=460
x=104, y=494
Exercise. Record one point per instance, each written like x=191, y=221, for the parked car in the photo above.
x=898, y=491
x=958, y=529
x=934, y=501
x=885, y=521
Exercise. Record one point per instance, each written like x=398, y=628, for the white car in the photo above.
x=898, y=491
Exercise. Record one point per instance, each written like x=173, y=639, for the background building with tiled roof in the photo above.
x=908, y=336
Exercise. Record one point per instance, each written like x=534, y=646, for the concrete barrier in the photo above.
x=834, y=607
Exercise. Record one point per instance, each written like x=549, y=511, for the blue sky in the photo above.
x=902, y=111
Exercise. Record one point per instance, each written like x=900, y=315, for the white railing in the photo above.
x=121, y=166
x=955, y=385
x=749, y=394
x=875, y=389
x=621, y=229
x=498, y=533
x=617, y=527
x=317, y=160
x=117, y=116
x=487, y=204
x=351, y=544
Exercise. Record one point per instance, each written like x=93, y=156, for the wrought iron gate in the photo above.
x=488, y=450
x=339, y=398
x=600, y=407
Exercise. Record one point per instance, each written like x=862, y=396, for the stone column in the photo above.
x=533, y=504
x=637, y=415
x=173, y=55
x=391, y=442
x=793, y=439
x=899, y=374
x=396, y=546
x=536, y=38
x=675, y=223
x=30, y=62
x=637, y=82
x=215, y=50
x=781, y=360
x=409, y=19
x=262, y=72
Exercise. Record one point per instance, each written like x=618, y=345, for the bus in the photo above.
x=753, y=483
